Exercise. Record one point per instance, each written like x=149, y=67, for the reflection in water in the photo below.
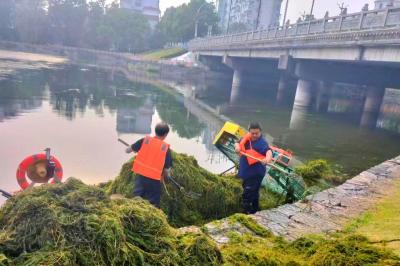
x=81, y=113
x=329, y=128
x=131, y=119
x=389, y=117
x=298, y=118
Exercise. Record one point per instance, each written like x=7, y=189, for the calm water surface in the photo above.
x=80, y=113
x=334, y=134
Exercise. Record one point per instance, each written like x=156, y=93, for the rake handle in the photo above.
x=124, y=142
x=5, y=194
x=259, y=160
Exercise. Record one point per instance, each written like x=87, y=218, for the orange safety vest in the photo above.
x=150, y=160
x=250, y=151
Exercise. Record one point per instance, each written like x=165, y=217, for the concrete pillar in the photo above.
x=303, y=93
x=372, y=107
x=236, y=86
x=323, y=96
x=282, y=88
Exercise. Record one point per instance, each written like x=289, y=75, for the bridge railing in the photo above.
x=374, y=19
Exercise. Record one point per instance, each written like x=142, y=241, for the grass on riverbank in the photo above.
x=382, y=223
x=164, y=53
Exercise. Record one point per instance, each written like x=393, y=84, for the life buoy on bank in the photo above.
x=37, y=169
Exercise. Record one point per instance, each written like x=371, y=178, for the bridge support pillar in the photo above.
x=236, y=86
x=303, y=93
x=372, y=107
x=323, y=96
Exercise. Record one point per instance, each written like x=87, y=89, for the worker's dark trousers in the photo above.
x=251, y=194
x=148, y=189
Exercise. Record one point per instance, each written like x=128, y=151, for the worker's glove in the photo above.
x=265, y=162
x=129, y=150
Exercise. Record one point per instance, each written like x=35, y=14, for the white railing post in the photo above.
x=386, y=17
x=340, y=23
x=362, y=15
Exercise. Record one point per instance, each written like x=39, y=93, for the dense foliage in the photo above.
x=95, y=24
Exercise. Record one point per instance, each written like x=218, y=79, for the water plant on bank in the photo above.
x=220, y=195
x=320, y=173
x=262, y=248
x=77, y=224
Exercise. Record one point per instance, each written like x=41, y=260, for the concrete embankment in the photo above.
x=120, y=61
x=324, y=212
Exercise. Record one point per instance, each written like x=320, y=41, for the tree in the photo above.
x=129, y=29
x=7, y=15
x=98, y=34
x=31, y=21
x=178, y=24
x=67, y=20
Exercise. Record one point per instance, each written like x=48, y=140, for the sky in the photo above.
x=297, y=7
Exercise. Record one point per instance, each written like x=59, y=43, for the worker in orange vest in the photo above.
x=152, y=163
x=252, y=171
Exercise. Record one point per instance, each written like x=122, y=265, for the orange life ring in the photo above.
x=31, y=160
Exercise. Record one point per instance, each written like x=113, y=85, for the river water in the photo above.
x=79, y=113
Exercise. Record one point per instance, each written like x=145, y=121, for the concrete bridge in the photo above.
x=362, y=49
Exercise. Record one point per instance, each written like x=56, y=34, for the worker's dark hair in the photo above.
x=255, y=125
x=162, y=129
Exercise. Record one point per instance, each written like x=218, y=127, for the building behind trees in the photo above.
x=245, y=15
x=379, y=4
x=149, y=8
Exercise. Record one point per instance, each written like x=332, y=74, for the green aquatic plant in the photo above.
x=76, y=224
x=315, y=171
x=220, y=195
x=344, y=250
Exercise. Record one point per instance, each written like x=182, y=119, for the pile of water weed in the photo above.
x=76, y=224
x=351, y=250
x=220, y=195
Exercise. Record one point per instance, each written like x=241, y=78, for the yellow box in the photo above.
x=232, y=129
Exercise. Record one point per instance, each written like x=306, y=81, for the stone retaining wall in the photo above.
x=325, y=212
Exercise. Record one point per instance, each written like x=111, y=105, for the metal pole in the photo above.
x=312, y=8
x=196, y=28
x=285, y=15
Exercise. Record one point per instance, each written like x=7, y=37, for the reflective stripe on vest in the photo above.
x=250, y=151
x=150, y=160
